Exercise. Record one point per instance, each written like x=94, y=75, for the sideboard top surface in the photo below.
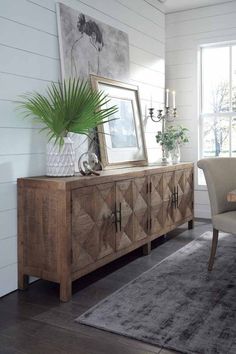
x=77, y=181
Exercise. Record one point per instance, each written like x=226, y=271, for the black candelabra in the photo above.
x=169, y=115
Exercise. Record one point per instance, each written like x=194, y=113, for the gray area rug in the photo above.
x=177, y=304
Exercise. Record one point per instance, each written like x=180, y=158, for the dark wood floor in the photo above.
x=35, y=322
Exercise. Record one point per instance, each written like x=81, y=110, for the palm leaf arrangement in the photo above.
x=72, y=106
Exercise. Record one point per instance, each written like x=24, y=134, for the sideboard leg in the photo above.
x=23, y=281
x=65, y=291
x=191, y=224
x=147, y=248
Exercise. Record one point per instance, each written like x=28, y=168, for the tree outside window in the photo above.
x=218, y=101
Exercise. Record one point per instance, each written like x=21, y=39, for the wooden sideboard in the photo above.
x=68, y=227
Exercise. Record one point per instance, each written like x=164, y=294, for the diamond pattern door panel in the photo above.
x=168, y=214
x=184, y=181
x=124, y=205
x=156, y=189
x=105, y=208
x=156, y=204
x=188, y=180
x=140, y=208
x=168, y=189
x=106, y=232
x=157, y=223
x=180, y=210
x=179, y=182
x=93, y=230
x=185, y=207
x=168, y=185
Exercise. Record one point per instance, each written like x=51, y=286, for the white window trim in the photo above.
x=201, y=115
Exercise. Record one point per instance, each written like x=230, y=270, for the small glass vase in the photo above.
x=166, y=159
x=175, y=154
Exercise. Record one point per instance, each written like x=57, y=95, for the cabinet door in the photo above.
x=179, y=182
x=157, y=222
x=93, y=228
x=188, y=193
x=140, y=208
x=188, y=188
x=184, y=182
x=168, y=206
x=179, y=188
x=124, y=207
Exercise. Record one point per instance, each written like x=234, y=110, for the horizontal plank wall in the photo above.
x=185, y=32
x=29, y=60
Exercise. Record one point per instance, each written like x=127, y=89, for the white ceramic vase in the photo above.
x=60, y=159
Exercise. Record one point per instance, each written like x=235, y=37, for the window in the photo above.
x=218, y=101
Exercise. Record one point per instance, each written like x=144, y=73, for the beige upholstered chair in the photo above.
x=220, y=175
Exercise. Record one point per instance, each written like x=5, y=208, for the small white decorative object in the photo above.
x=88, y=162
x=60, y=159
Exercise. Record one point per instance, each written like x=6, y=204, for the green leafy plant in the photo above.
x=71, y=106
x=171, y=136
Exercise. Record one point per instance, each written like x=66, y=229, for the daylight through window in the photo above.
x=218, y=101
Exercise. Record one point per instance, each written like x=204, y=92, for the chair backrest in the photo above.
x=220, y=175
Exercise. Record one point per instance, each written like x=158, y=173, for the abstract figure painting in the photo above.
x=88, y=46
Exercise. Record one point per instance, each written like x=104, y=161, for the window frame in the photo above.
x=230, y=114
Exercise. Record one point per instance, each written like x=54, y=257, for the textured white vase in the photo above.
x=60, y=160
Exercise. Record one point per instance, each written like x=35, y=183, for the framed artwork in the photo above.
x=89, y=46
x=121, y=140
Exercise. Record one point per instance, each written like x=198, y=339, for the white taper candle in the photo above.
x=167, y=97
x=174, y=95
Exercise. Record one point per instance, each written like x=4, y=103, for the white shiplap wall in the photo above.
x=29, y=60
x=185, y=32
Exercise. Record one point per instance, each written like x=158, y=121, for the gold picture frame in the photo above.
x=122, y=140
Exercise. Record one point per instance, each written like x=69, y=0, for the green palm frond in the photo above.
x=72, y=106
